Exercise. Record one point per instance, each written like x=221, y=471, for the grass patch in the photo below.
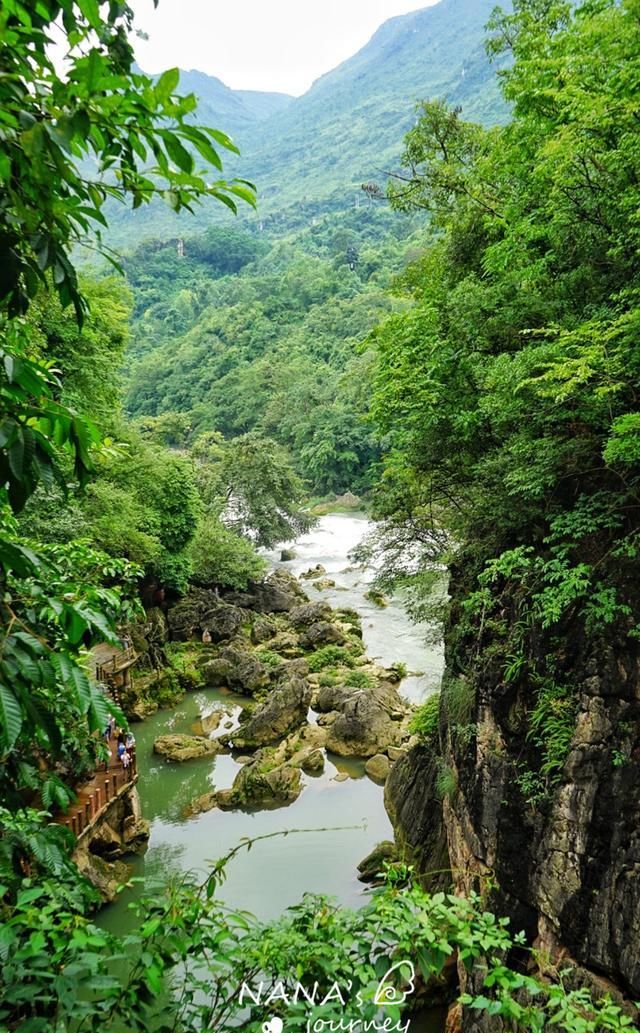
x=268, y=658
x=329, y=656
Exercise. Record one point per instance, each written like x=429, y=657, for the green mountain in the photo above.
x=348, y=127
x=238, y=112
x=310, y=154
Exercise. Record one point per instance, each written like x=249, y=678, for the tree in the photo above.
x=57, y=602
x=263, y=493
x=221, y=557
x=72, y=140
x=508, y=391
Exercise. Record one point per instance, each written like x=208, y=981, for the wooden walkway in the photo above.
x=109, y=662
x=94, y=797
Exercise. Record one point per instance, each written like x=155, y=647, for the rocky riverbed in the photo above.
x=306, y=683
x=324, y=805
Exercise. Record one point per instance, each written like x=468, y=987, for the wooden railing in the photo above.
x=120, y=660
x=94, y=798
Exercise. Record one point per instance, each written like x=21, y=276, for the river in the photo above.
x=349, y=816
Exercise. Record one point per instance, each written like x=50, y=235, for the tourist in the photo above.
x=121, y=746
x=126, y=761
x=129, y=740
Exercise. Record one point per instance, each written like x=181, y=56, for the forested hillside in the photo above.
x=233, y=336
x=312, y=154
x=460, y=346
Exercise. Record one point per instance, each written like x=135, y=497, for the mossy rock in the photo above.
x=185, y=747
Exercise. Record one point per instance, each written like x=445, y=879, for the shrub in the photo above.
x=359, y=680
x=425, y=720
x=329, y=656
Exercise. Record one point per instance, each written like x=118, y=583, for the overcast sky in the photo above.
x=260, y=44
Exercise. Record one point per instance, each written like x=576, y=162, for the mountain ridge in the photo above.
x=309, y=155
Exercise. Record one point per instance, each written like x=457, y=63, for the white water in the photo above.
x=389, y=636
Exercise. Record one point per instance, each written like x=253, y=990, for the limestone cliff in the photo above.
x=560, y=855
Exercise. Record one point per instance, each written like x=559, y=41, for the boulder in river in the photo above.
x=286, y=555
x=371, y=868
x=368, y=722
x=377, y=768
x=314, y=572
x=285, y=709
x=258, y=785
x=313, y=763
x=185, y=747
x=325, y=583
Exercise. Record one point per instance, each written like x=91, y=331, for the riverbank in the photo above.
x=349, y=814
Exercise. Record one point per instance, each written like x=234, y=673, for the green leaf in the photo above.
x=177, y=152
x=91, y=11
x=10, y=717
x=167, y=84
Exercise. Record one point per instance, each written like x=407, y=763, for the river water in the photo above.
x=346, y=818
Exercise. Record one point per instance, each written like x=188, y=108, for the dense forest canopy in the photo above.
x=468, y=357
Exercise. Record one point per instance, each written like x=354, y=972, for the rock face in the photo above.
x=202, y=611
x=119, y=831
x=564, y=864
x=285, y=709
x=368, y=722
x=416, y=815
x=185, y=747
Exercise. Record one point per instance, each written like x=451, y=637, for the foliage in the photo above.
x=263, y=494
x=100, y=114
x=57, y=603
x=507, y=391
x=446, y=783
x=552, y=724
x=186, y=939
x=221, y=557
x=271, y=351
x=359, y=680
x=329, y=656
x=426, y=718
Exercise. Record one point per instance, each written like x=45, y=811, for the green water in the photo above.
x=346, y=818
x=276, y=872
